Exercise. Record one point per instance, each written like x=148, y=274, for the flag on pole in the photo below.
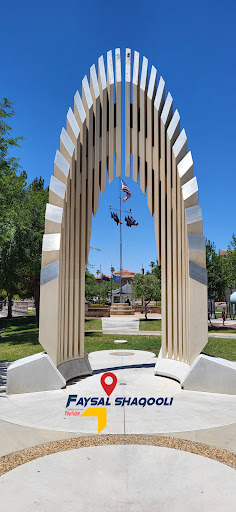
x=130, y=221
x=115, y=278
x=105, y=278
x=126, y=190
x=116, y=218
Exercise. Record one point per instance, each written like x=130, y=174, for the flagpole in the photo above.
x=100, y=284
x=121, y=300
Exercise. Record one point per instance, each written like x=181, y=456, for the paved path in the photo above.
x=16, y=312
x=225, y=335
x=159, y=333
x=120, y=479
x=120, y=324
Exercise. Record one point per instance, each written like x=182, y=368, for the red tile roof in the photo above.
x=125, y=274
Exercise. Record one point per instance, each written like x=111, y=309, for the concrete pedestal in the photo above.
x=33, y=373
x=209, y=374
x=75, y=368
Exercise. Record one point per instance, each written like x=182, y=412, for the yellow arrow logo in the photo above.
x=101, y=414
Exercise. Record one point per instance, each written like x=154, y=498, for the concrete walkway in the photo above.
x=225, y=335
x=193, y=415
x=129, y=476
x=120, y=324
x=120, y=479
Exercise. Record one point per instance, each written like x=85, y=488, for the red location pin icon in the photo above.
x=108, y=388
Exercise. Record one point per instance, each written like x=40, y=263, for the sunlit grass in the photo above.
x=19, y=338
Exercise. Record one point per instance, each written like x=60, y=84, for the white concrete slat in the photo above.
x=135, y=117
x=143, y=121
x=150, y=121
x=50, y=248
x=53, y=219
x=118, y=111
x=166, y=116
x=158, y=106
x=67, y=149
x=102, y=81
x=81, y=120
x=111, y=115
x=171, y=136
x=74, y=132
x=62, y=305
x=185, y=173
x=95, y=92
x=179, y=151
x=195, y=225
x=83, y=240
x=127, y=111
x=88, y=107
x=61, y=167
x=77, y=319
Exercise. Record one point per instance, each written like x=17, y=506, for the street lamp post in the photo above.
x=112, y=270
x=98, y=272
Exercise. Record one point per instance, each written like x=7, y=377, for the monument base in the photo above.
x=171, y=368
x=209, y=374
x=75, y=368
x=33, y=373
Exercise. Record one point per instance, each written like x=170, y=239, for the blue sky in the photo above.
x=48, y=47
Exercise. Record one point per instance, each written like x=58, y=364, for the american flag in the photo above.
x=126, y=190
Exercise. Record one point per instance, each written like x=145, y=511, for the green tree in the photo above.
x=36, y=198
x=229, y=265
x=12, y=178
x=11, y=265
x=12, y=196
x=105, y=289
x=215, y=272
x=22, y=219
x=147, y=287
x=157, y=271
x=91, y=285
x=231, y=277
x=21, y=251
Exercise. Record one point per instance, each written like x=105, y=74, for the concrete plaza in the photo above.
x=141, y=473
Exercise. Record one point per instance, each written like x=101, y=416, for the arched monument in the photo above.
x=159, y=152
x=160, y=159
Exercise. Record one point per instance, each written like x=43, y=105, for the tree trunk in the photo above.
x=9, y=313
x=36, y=299
x=146, y=305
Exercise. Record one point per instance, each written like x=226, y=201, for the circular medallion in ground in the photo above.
x=122, y=354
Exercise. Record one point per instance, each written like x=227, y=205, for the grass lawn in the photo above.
x=17, y=345
x=98, y=341
x=221, y=347
x=150, y=325
x=93, y=324
x=19, y=338
x=221, y=330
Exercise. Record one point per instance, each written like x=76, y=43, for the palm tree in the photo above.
x=152, y=265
